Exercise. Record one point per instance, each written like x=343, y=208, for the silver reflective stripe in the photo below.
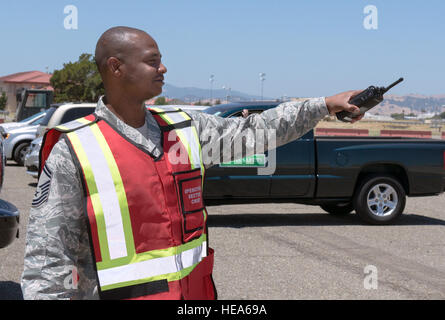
x=153, y=267
x=71, y=125
x=107, y=193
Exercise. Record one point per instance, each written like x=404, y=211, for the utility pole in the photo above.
x=212, y=78
x=262, y=78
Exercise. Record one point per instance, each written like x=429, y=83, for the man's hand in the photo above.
x=340, y=102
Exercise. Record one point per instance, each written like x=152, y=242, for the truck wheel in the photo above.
x=338, y=209
x=20, y=152
x=379, y=199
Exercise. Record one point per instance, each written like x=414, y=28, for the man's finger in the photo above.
x=360, y=117
x=352, y=108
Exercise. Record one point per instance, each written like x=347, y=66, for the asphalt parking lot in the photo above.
x=290, y=251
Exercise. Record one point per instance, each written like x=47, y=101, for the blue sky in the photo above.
x=306, y=48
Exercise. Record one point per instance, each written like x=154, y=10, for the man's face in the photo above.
x=143, y=71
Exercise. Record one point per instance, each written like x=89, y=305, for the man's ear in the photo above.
x=113, y=65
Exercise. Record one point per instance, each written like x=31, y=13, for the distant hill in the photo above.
x=191, y=94
x=411, y=104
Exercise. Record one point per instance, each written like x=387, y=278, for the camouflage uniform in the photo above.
x=57, y=241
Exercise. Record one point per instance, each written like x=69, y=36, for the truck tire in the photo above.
x=338, y=209
x=20, y=151
x=379, y=199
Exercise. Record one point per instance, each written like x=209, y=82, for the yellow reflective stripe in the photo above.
x=186, y=143
x=120, y=190
x=181, y=135
x=195, y=133
x=62, y=128
x=93, y=193
x=83, y=121
x=154, y=254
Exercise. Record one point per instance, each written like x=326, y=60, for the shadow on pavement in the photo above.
x=243, y=220
x=11, y=163
x=10, y=291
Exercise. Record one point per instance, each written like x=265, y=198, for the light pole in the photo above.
x=262, y=78
x=212, y=78
x=227, y=93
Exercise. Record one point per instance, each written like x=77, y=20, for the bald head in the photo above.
x=117, y=42
x=129, y=63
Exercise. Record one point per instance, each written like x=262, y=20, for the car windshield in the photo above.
x=37, y=121
x=48, y=116
x=32, y=117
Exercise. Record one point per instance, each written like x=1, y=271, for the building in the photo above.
x=13, y=83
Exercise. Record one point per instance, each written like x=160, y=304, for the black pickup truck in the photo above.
x=371, y=175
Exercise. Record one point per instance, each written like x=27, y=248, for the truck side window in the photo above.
x=76, y=113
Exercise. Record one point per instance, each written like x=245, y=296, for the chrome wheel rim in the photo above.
x=382, y=200
x=23, y=153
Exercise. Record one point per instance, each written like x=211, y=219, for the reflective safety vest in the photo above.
x=147, y=220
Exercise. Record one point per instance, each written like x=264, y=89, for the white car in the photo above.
x=17, y=142
x=56, y=115
x=63, y=113
x=32, y=120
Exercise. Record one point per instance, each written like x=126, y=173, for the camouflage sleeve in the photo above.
x=226, y=139
x=54, y=229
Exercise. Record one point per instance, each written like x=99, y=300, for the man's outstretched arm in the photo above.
x=284, y=123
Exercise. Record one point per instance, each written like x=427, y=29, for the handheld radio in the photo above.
x=365, y=100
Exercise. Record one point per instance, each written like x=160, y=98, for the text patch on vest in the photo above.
x=189, y=185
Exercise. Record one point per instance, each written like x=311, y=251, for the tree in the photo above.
x=160, y=101
x=78, y=81
x=3, y=101
x=398, y=116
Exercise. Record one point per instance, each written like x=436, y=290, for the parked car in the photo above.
x=32, y=120
x=56, y=115
x=32, y=157
x=62, y=113
x=9, y=214
x=18, y=140
x=371, y=175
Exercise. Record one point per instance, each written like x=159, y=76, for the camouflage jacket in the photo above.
x=58, y=260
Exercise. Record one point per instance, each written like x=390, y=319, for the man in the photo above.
x=115, y=216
